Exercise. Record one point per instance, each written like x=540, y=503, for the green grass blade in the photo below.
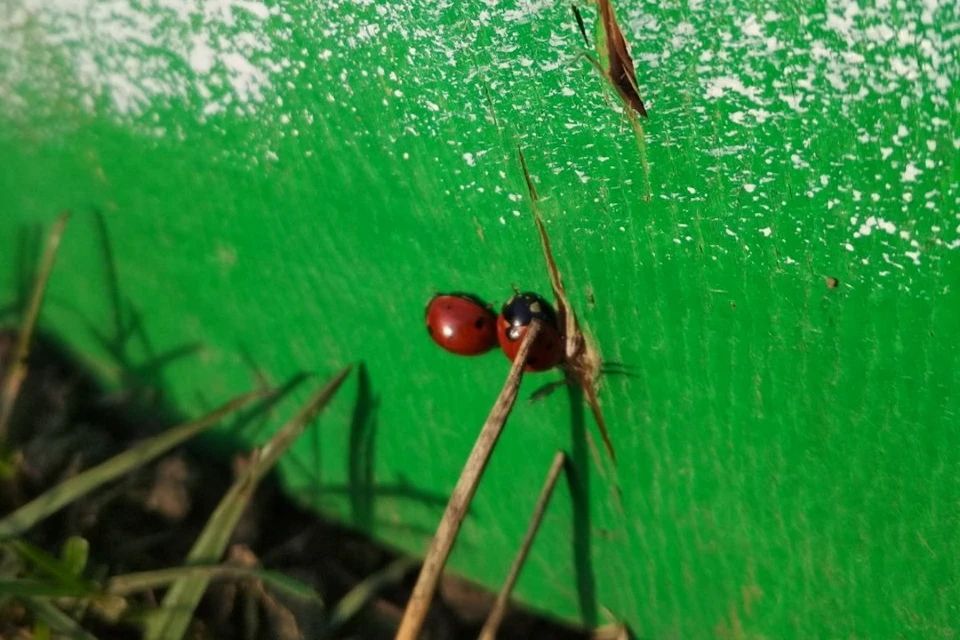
x=615, y=631
x=134, y=582
x=47, y=613
x=279, y=443
x=176, y=612
x=18, y=368
x=32, y=587
x=49, y=565
x=75, y=554
x=63, y=494
x=358, y=597
x=41, y=632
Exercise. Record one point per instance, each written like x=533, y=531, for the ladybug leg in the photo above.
x=618, y=369
x=548, y=389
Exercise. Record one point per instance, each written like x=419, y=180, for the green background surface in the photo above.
x=286, y=184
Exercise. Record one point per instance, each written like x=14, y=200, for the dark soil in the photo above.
x=63, y=422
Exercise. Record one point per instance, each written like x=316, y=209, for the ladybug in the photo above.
x=461, y=323
x=517, y=314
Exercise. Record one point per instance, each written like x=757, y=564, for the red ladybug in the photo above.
x=517, y=314
x=461, y=323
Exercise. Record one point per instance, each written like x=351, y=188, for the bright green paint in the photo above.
x=789, y=460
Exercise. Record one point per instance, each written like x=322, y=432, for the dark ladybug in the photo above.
x=461, y=323
x=517, y=314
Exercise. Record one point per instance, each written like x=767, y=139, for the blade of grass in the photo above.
x=75, y=554
x=130, y=583
x=490, y=627
x=41, y=632
x=47, y=564
x=63, y=494
x=34, y=587
x=422, y=595
x=176, y=612
x=18, y=367
x=46, y=612
x=352, y=603
x=614, y=631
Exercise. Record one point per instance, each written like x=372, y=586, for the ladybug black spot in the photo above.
x=521, y=309
x=480, y=322
x=532, y=360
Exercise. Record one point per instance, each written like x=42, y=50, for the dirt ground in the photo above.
x=63, y=423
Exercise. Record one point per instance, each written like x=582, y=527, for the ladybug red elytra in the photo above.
x=461, y=323
x=517, y=314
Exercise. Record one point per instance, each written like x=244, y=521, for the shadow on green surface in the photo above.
x=361, y=489
x=578, y=479
x=254, y=420
x=363, y=429
x=128, y=326
x=140, y=378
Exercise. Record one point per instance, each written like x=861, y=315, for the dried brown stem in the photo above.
x=18, y=366
x=490, y=627
x=581, y=360
x=422, y=596
x=621, y=72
